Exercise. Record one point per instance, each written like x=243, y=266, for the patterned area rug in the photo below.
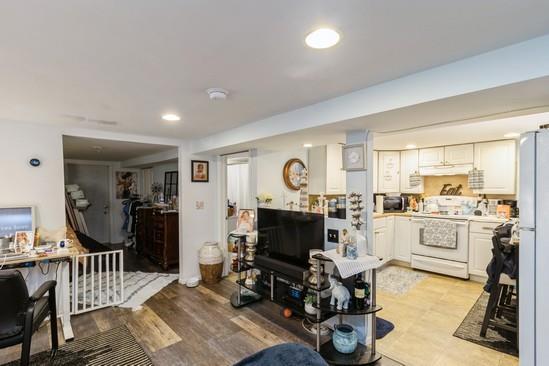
x=113, y=347
x=398, y=280
x=138, y=288
x=469, y=330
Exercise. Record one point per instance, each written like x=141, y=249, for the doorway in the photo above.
x=93, y=181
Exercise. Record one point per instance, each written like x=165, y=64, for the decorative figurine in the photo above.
x=340, y=294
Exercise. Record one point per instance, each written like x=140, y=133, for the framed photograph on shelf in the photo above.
x=245, y=223
x=354, y=157
x=23, y=241
x=200, y=171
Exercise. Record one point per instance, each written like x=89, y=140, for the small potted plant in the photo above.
x=264, y=200
x=310, y=299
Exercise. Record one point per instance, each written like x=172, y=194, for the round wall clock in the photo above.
x=292, y=173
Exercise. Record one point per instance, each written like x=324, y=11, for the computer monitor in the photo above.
x=13, y=219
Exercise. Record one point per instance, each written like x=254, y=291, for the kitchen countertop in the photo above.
x=459, y=217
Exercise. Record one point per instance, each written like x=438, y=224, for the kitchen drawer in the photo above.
x=483, y=227
x=380, y=222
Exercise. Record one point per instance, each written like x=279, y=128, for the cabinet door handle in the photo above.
x=487, y=228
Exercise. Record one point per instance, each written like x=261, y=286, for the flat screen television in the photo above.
x=289, y=235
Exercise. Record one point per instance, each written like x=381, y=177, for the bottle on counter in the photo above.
x=420, y=206
x=367, y=291
x=360, y=292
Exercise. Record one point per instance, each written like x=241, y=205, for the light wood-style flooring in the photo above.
x=425, y=319
x=182, y=326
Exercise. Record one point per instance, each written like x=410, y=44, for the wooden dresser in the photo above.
x=157, y=235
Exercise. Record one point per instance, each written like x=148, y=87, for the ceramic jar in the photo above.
x=345, y=339
x=210, y=260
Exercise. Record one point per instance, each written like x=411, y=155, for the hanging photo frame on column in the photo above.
x=354, y=157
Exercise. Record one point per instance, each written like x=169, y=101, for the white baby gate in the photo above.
x=97, y=281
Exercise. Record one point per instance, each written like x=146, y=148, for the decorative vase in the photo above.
x=345, y=339
x=211, y=262
x=310, y=309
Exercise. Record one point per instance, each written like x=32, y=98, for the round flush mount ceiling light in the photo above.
x=322, y=38
x=217, y=93
x=307, y=145
x=411, y=146
x=511, y=135
x=171, y=117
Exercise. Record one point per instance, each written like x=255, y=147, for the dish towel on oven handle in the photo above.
x=440, y=233
x=349, y=267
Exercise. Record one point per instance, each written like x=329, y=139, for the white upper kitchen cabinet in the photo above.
x=458, y=154
x=374, y=170
x=409, y=163
x=498, y=161
x=388, y=172
x=403, y=239
x=431, y=157
x=325, y=170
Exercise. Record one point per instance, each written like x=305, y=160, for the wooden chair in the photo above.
x=501, y=310
x=21, y=314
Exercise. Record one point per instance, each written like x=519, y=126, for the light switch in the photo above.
x=333, y=236
x=199, y=205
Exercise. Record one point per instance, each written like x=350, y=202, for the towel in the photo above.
x=440, y=233
x=349, y=267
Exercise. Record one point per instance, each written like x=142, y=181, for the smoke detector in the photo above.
x=217, y=93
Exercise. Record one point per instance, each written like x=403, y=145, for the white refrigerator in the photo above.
x=534, y=249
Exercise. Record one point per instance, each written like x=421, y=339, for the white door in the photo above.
x=403, y=232
x=480, y=253
x=94, y=182
x=458, y=154
x=431, y=157
x=380, y=243
x=374, y=171
x=335, y=175
x=409, y=163
x=389, y=242
x=389, y=168
x=498, y=161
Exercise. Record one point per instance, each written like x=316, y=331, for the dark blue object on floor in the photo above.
x=383, y=327
x=287, y=354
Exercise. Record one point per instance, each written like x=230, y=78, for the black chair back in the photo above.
x=14, y=299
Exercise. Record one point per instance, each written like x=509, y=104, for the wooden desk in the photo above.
x=35, y=278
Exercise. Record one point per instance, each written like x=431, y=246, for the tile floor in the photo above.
x=425, y=319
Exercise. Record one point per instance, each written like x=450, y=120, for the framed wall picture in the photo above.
x=200, y=171
x=292, y=173
x=170, y=184
x=126, y=184
x=354, y=157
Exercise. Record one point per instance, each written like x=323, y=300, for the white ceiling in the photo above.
x=130, y=61
x=83, y=148
x=458, y=134
x=391, y=128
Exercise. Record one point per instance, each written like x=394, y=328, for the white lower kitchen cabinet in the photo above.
x=382, y=245
x=480, y=253
x=402, y=239
x=390, y=252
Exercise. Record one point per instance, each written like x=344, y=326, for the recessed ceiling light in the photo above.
x=97, y=148
x=171, y=117
x=307, y=145
x=411, y=146
x=511, y=135
x=322, y=38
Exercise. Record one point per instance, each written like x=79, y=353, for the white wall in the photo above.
x=269, y=167
x=197, y=225
x=158, y=171
x=21, y=184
